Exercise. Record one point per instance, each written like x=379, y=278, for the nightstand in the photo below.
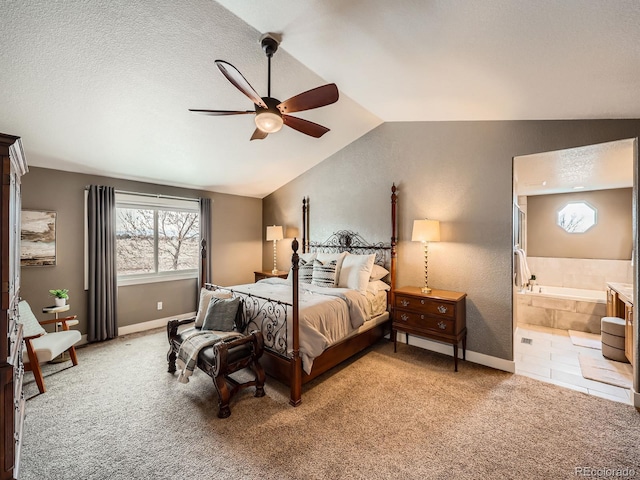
x=270, y=274
x=439, y=315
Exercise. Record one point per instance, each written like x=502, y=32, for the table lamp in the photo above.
x=274, y=233
x=426, y=231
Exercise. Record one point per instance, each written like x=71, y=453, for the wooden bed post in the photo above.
x=394, y=241
x=203, y=264
x=305, y=224
x=296, y=362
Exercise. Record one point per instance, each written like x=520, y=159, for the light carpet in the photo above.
x=606, y=371
x=383, y=415
x=585, y=339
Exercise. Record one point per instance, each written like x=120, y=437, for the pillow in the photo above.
x=377, y=285
x=221, y=314
x=30, y=324
x=329, y=257
x=324, y=274
x=378, y=272
x=355, y=272
x=205, y=299
x=305, y=259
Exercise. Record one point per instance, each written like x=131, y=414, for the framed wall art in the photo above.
x=38, y=238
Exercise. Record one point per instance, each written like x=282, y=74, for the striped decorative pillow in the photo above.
x=305, y=271
x=324, y=274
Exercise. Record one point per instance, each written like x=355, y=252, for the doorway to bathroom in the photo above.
x=573, y=238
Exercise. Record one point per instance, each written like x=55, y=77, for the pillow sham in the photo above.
x=203, y=304
x=355, y=272
x=221, y=314
x=305, y=259
x=329, y=257
x=378, y=272
x=324, y=274
x=376, y=286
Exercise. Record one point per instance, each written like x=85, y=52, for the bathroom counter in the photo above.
x=625, y=291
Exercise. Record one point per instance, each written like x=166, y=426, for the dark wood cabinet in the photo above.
x=11, y=367
x=270, y=274
x=439, y=315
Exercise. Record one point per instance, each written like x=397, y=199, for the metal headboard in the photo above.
x=352, y=242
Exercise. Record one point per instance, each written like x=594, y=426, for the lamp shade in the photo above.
x=426, y=231
x=274, y=233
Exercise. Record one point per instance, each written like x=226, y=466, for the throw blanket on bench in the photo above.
x=190, y=347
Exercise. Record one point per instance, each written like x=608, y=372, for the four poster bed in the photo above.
x=309, y=327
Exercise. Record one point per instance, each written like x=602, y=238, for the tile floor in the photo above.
x=553, y=358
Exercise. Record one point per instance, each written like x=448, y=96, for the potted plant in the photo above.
x=60, y=296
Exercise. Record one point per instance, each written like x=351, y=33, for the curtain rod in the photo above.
x=155, y=195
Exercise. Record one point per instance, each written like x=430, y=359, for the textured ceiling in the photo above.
x=105, y=87
x=590, y=167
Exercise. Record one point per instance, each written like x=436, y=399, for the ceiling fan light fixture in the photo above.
x=268, y=121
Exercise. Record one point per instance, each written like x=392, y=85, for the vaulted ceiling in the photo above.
x=105, y=87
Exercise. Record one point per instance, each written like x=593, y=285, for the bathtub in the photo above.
x=562, y=307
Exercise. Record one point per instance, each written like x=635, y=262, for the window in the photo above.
x=577, y=217
x=157, y=238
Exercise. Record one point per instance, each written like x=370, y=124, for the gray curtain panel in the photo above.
x=205, y=234
x=103, y=285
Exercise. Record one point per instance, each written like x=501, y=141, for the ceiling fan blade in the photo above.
x=314, y=98
x=236, y=78
x=259, y=134
x=222, y=112
x=304, y=126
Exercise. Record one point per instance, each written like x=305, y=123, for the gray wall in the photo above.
x=236, y=247
x=610, y=238
x=457, y=172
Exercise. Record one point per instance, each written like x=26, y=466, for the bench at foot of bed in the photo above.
x=219, y=361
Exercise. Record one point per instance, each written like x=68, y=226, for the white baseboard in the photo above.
x=446, y=349
x=151, y=324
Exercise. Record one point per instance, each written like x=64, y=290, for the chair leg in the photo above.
x=223, y=396
x=34, y=366
x=72, y=354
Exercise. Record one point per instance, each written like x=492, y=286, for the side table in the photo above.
x=269, y=274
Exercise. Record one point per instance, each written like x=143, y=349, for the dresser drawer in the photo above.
x=430, y=306
x=405, y=318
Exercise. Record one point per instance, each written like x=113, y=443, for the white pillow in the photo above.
x=377, y=285
x=378, y=273
x=30, y=324
x=330, y=257
x=203, y=304
x=308, y=258
x=355, y=272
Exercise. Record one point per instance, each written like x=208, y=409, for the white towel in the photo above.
x=523, y=274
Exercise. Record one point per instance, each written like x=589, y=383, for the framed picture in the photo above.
x=38, y=238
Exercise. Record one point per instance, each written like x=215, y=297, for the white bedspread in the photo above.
x=326, y=315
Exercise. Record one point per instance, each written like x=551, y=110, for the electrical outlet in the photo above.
x=159, y=305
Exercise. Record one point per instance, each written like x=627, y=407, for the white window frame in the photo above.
x=142, y=201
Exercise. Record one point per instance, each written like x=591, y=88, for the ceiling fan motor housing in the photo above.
x=269, y=44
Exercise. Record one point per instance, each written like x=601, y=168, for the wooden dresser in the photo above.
x=11, y=368
x=440, y=315
x=269, y=274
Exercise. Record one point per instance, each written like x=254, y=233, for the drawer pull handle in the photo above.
x=442, y=325
x=405, y=303
x=442, y=309
x=422, y=302
x=404, y=317
x=421, y=317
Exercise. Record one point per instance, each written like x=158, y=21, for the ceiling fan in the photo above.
x=271, y=113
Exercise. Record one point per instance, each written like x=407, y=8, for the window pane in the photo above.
x=577, y=217
x=178, y=235
x=134, y=241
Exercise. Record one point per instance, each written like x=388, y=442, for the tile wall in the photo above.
x=591, y=274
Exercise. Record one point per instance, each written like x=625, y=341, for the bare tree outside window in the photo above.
x=139, y=232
